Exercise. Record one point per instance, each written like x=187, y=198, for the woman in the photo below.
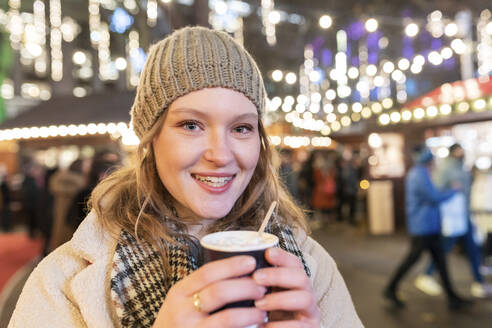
x=203, y=164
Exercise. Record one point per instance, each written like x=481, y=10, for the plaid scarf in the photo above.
x=138, y=283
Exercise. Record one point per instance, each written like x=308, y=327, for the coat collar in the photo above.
x=95, y=246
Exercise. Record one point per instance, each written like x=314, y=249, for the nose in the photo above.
x=218, y=149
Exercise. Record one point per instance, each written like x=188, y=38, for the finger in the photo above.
x=279, y=257
x=215, y=271
x=218, y=294
x=238, y=317
x=285, y=277
x=291, y=300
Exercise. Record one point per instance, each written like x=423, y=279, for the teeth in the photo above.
x=213, y=181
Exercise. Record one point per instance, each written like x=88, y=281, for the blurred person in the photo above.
x=422, y=201
x=102, y=165
x=204, y=164
x=306, y=181
x=323, y=196
x=64, y=185
x=287, y=173
x=5, y=203
x=31, y=186
x=449, y=174
x=349, y=181
x=45, y=209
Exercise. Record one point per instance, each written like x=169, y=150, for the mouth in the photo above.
x=213, y=181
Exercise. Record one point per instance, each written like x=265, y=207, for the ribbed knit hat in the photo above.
x=191, y=59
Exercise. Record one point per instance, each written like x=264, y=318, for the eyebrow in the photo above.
x=186, y=110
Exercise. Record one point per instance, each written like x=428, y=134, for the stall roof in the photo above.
x=98, y=108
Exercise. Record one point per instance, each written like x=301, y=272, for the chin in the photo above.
x=213, y=213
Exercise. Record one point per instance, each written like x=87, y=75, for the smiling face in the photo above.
x=207, y=150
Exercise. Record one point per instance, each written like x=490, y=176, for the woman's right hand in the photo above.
x=216, y=284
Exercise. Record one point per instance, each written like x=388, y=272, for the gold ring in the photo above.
x=196, y=302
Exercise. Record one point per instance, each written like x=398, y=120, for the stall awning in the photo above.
x=110, y=107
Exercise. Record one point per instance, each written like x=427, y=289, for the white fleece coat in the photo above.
x=70, y=287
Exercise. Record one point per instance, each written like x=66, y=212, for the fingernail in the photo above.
x=273, y=251
x=249, y=261
x=259, y=276
x=262, y=290
x=260, y=303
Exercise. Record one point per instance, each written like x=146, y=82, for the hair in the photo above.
x=454, y=146
x=103, y=164
x=421, y=154
x=134, y=198
x=76, y=166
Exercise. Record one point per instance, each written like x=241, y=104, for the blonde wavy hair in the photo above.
x=133, y=198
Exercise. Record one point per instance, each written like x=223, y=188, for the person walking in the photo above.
x=204, y=164
x=422, y=201
x=449, y=174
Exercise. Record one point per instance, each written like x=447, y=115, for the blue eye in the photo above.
x=243, y=129
x=190, y=125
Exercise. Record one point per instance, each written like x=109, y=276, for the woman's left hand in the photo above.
x=296, y=295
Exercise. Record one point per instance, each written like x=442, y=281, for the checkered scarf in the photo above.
x=139, y=285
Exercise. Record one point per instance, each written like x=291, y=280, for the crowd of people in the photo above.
x=53, y=201
x=326, y=183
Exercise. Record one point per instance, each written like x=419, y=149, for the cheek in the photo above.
x=248, y=156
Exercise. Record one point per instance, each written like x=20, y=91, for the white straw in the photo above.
x=267, y=217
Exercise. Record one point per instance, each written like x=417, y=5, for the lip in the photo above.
x=214, y=174
x=215, y=190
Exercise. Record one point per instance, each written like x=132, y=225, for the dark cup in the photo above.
x=225, y=244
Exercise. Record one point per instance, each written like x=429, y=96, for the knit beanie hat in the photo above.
x=191, y=59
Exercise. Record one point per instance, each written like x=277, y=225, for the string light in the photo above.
x=458, y=46
x=56, y=40
x=267, y=8
x=384, y=119
x=115, y=130
x=484, y=48
x=406, y=115
x=479, y=105
x=336, y=126
x=15, y=24
x=325, y=21
x=290, y=78
x=345, y=121
x=277, y=75
x=419, y=113
x=395, y=117
x=463, y=107
x=403, y=64
x=135, y=53
x=431, y=111
x=451, y=29
x=412, y=30
x=40, y=63
x=371, y=25
x=151, y=12
x=445, y=109
x=366, y=112
x=104, y=54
